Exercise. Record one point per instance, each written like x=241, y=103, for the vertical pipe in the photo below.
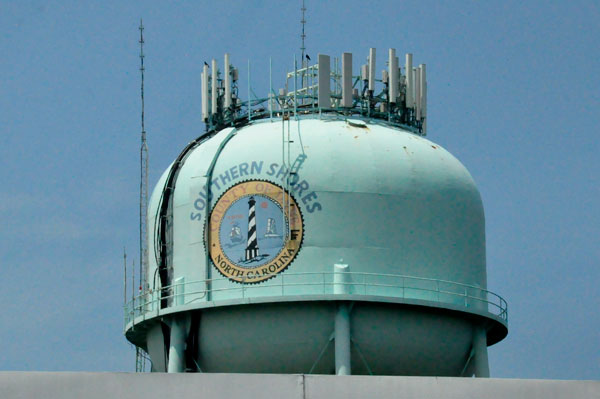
x=423, y=100
x=342, y=340
x=289, y=169
x=283, y=163
x=125, y=274
x=332, y=80
x=347, y=80
x=214, y=87
x=482, y=367
x=176, y=346
x=372, y=70
x=249, y=109
x=334, y=75
x=227, y=82
x=133, y=293
x=341, y=279
x=409, y=81
x=270, y=88
x=423, y=90
x=133, y=285
x=312, y=87
x=295, y=88
x=393, y=73
x=338, y=77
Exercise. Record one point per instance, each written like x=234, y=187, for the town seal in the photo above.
x=255, y=231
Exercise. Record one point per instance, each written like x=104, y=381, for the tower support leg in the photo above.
x=342, y=340
x=481, y=366
x=177, y=346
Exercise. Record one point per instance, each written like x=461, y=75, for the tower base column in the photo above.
x=342, y=340
x=481, y=366
x=177, y=346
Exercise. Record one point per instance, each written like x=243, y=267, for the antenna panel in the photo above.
x=214, y=87
x=364, y=72
x=324, y=81
x=204, y=92
x=347, y=80
x=409, y=81
x=417, y=86
x=423, y=91
x=393, y=67
x=227, y=82
x=372, y=69
x=385, y=76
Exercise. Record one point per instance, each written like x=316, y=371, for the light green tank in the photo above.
x=317, y=243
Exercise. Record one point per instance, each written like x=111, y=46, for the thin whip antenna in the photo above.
x=133, y=288
x=143, y=179
x=303, y=35
x=304, y=61
x=125, y=274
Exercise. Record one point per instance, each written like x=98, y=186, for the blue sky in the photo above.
x=513, y=93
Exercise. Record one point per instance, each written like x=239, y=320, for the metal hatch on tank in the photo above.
x=317, y=230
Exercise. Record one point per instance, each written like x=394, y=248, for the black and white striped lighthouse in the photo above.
x=252, y=248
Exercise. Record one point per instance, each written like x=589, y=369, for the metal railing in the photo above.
x=275, y=106
x=315, y=284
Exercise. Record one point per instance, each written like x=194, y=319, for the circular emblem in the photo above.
x=254, y=232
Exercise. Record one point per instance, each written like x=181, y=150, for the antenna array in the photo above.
x=398, y=96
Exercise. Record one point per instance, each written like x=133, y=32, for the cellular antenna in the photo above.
x=143, y=180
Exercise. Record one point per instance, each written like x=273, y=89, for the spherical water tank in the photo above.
x=313, y=245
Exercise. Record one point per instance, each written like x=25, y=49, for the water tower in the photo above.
x=316, y=230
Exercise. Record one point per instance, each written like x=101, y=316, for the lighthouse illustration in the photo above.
x=252, y=248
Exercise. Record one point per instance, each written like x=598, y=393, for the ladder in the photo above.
x=140, y=360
